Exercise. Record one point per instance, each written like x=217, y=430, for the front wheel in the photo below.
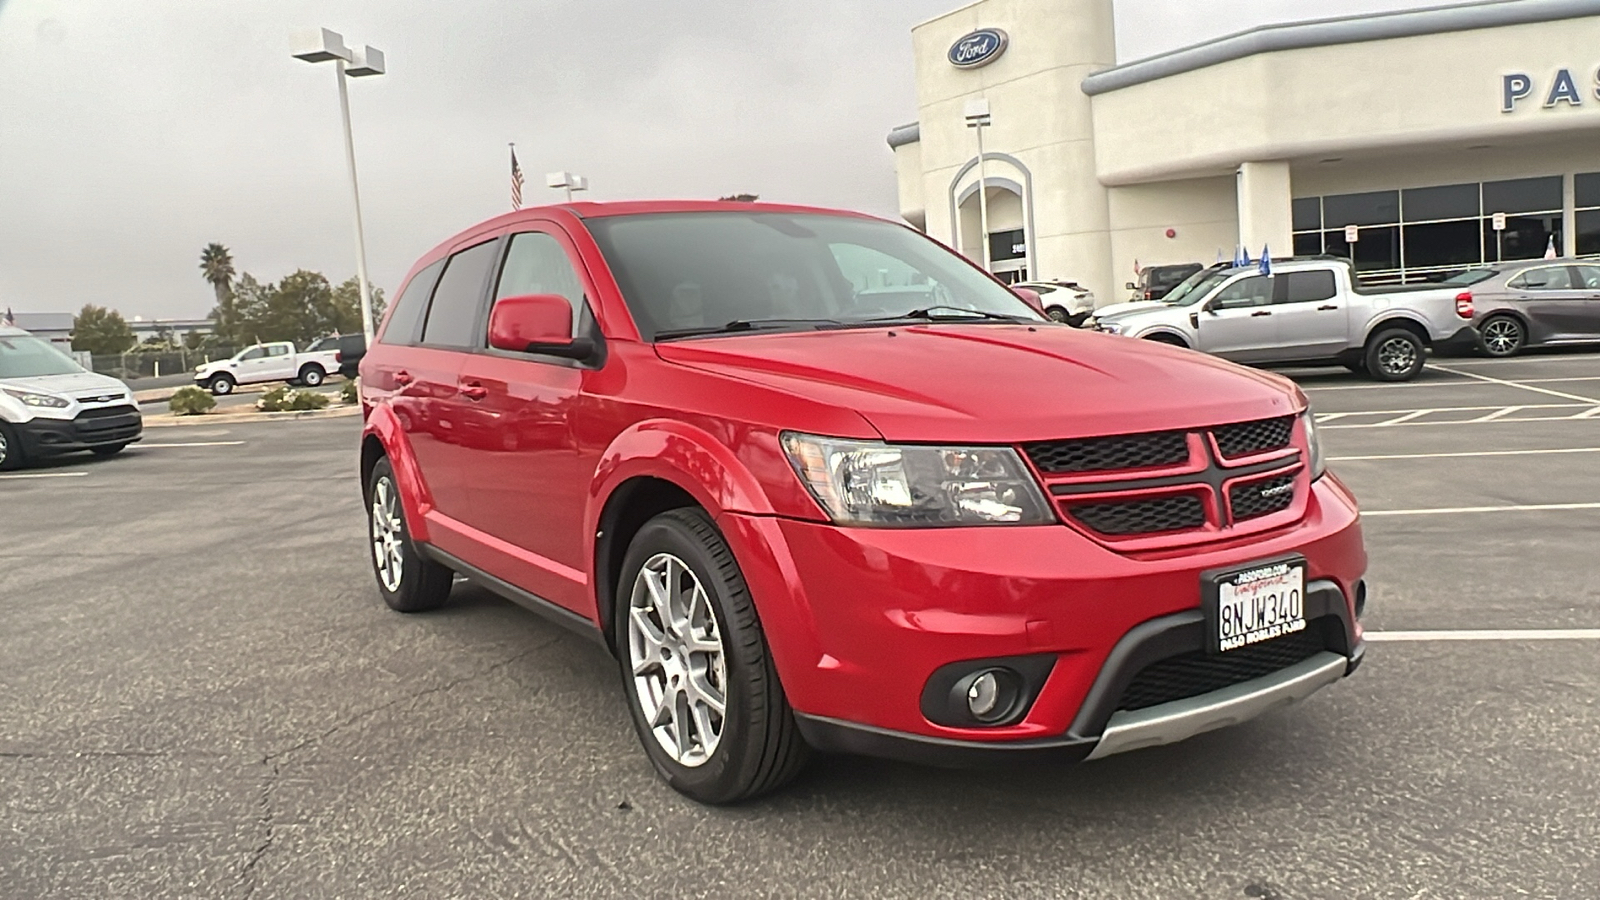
x=699, y=678
x=11, y=456
x=1395, y=354
x=408, y=581
x=1168, y=339
x=222, y=385
x=1503, y=336
x=108, y=450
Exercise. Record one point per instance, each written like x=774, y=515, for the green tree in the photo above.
x=741, y=198
x=216, y=267
x=101, y=331
x=347, y=306
x=250, y=310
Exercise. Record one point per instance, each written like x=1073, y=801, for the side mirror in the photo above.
x=1131, y=286
x=536, y=323
x=1030, y=297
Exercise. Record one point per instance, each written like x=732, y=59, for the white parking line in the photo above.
x=1406, y=418
x=46, y=475
x=1526, y=387
x=142, y=445
x=1587, y=414
x=1366, y=514
x=1465, y=453
x=1425, y=384
x=1515, y=634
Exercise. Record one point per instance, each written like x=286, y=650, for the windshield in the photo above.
x=684, y=272
x=1471, y=276
x=25, y=356
x=1195, y=287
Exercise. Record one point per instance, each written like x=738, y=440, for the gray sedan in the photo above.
x=1534, y=302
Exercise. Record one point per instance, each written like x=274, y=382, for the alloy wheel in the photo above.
x=1397, y=356
x=1056, y=314
x=1502, y=337
x=676, y=657
x=5, y=448
x=387, y=534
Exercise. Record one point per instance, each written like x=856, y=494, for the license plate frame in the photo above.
x=1226, y=606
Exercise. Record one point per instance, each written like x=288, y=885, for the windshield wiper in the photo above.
x=738, y=325
x=933, y=314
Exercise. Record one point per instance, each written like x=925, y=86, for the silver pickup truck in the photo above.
x=1306, y=312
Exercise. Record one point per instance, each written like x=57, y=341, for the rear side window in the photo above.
x=453, y=314
x=537, y=264
x=1306, y=287
x=1552, y=278
x=405, y=323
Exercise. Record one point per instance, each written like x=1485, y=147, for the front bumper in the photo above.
x=91, y=428
x=859, y=620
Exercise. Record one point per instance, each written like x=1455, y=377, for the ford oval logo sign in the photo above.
x=979, y=48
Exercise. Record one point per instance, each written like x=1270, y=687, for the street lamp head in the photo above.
x=558, y=180
x=320, y=45
x=579, y=183
x=366, y=61
x=977, y=112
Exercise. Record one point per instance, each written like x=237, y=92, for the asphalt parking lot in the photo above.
x=205, y=697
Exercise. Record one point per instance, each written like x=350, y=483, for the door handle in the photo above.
x=1261, y=312
x=474, y=391
x=1328, y=306
x=402, y=378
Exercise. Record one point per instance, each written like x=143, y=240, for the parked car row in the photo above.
x=50, y=405
x=806, y=516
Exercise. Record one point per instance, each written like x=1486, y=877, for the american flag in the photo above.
x=10, y=318
x=516, y=180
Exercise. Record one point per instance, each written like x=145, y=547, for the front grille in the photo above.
x=1129, y=451
x=106, y=412
x=1259, y=436
x=1260, y=498
x=1198, y=672
x=1142, y=516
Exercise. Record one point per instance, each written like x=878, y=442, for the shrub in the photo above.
x=350, y=391
x=191, y=401
x=282, y=399
x=302, y=400
x=275, y=400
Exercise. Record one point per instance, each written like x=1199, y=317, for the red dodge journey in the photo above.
x=819, y=483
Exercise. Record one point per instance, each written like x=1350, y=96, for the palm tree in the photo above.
x=216, y=267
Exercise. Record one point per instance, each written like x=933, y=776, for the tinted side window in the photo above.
x=1589, y=276
x=453, y=315
x=255, y=353
x=537, y=264
x=1253, y=291
x=1305, y=287
x=1551, y=278
x=405, y=323
x=277, y=350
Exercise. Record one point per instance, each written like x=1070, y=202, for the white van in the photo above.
x=50, y=405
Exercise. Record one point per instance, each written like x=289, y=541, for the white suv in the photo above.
x=50, y=405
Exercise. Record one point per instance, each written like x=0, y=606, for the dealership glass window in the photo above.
x=1522, y=195
x=1586, y=200
x=1307, y=243
x=1442, y=243
x=1307, y=214
x=1524, y=237
x=1377, y=249
x=1371, y=208
x=1588, y=223
x=1448, y=201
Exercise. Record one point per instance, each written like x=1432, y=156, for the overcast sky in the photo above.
x=133, y=132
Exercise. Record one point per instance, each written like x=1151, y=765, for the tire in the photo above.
x=312, y=376
x=222, y=385
x=1167, y=339
x=754, y=747
x=108, y=450
x=1503, y=336
x=408, y=581
x=11, y=454
x=1057, y=314
x=1078, y=320
x=1359, y=367
x=1395, y=354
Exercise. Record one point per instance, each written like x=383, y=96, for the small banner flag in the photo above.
x=516, y=180
x=1550, y=248
x=1266, y=260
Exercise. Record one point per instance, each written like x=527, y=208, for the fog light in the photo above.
x=983, y=696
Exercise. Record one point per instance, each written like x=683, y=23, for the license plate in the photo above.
x=1247, y=606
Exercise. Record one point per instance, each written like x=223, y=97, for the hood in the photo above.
x=996, y=383
x=77, y=384
x=1117, y=309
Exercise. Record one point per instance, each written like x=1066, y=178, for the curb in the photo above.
x=337, y=412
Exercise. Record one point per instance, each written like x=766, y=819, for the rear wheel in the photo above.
x=1503, y=336
x=11, y=455
x=311, y=376
x=222, y=385
x=408, y=581
x=698, y=675
x=1395, y=354
x=1057, y=314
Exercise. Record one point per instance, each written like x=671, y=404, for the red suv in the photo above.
x=818, y=482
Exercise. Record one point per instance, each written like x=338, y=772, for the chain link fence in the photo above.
x=156, y=363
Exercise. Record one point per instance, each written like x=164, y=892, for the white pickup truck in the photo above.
x=277, y=361
x=1305, y=312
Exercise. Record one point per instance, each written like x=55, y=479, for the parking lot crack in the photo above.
x=247, y=876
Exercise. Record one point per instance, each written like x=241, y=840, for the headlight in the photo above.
x=49, y=401
x=1318, y=464
x=871, y=483
x=1109, y=327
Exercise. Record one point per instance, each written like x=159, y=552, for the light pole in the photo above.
x=321, y=45
x=978, y=119
x=567, y=180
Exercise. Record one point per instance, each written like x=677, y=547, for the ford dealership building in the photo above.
x=1423, y=142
